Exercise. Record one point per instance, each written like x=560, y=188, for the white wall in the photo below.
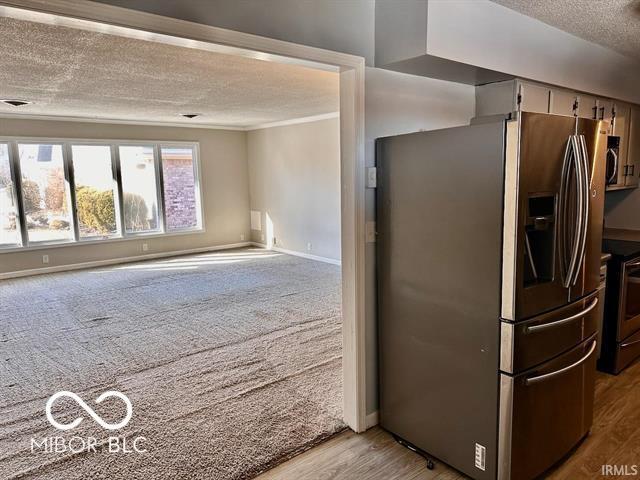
x=488, y=35
x=294, y=178
x=224, y=182
x=340, y=25
x=397, y=103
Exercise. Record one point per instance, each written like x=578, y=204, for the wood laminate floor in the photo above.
x=374, y=455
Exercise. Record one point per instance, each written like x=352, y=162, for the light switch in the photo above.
x=372, y=175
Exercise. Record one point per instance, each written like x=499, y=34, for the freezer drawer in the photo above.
x=531, y=342
x=629, y=309
x=545, y=411
x=626, y=352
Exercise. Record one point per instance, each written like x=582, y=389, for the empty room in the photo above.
x=170, y=232
x=319, y=239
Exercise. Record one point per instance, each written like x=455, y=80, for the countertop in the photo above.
x=622, y=244
x=621, y=249
x=621, y=234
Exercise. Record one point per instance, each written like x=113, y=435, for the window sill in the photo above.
x=98, y=242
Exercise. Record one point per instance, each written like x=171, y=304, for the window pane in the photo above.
x=139, y=189
x=45, y=193
x=95, y=197
x=180, y=195
x=9, y=232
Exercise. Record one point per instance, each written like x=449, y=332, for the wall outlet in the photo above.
x=45, y=258
x=274, y=240
x=309, y=246
x=145, y=247
x=370, y=232
x=242, y=237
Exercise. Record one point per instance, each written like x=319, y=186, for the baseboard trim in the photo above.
x=299, y=254
x=371, y=420
x=117, y=261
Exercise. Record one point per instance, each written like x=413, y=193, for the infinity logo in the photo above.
x=89, y=410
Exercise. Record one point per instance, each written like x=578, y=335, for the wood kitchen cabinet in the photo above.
x=620, y=128
x=627, y=173
x=587, y=106
x=605, y=112
x=563, y=102
x=533, y=98
x=511, y=96
x=632, y=178
x=621, y=119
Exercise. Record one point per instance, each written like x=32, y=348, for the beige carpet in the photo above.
x=232, y=361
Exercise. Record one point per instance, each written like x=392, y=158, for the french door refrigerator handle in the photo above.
x=562, y=213
x=557, y=323
x=575, y=247
x=583, y=187
x=547, y=376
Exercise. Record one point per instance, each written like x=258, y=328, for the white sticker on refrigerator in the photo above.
x=481, y=456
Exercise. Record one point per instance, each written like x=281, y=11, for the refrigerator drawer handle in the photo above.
x=628, y=344
x=544, y=326
x=634, y=264
x=547, y=376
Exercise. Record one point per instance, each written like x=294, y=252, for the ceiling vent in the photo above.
x=16, y=103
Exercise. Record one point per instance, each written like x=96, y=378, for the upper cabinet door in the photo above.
x=620, y=128
x=587, y=106
x=605, y=112
x=533, y=98
x=563, y=102
x=633, y=154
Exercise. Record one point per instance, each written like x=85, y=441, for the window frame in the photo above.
x=195, y=148
x=69, y=193
x=159, y=200
x=115, y=189
x=67, y=158
x=14, y=175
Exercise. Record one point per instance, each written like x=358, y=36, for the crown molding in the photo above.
x=152, y=123
x=294, y=121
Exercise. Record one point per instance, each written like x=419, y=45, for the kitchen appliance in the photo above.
x=602, y=293
x=488, y=258
x=621, y=333
x=613, y=160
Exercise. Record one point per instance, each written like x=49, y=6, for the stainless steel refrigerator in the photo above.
x=488, y=262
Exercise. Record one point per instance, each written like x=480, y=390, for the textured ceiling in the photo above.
x=611, y=23
x=69, y=72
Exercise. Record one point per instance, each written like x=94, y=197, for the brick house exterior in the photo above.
x=179, y=188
